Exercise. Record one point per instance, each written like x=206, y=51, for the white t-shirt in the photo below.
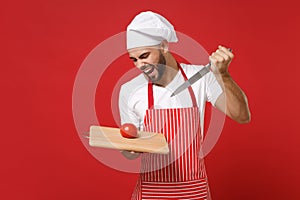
x=133, y=98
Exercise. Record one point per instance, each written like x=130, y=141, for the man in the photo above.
x=146, y=102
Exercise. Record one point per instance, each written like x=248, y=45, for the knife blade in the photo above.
x=193, y=79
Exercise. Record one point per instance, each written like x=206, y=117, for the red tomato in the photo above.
x=128, y=130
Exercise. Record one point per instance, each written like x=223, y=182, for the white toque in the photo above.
x=149, y=29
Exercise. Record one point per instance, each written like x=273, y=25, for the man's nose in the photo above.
x=139, y=64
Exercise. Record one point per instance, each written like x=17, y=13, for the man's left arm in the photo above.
x=233, y=101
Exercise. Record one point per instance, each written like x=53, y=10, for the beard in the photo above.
x=160, y=67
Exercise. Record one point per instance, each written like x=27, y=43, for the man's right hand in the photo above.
x=130, y=155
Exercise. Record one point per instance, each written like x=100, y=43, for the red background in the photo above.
x=43, y=44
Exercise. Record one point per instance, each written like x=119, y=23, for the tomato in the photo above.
x=128, y=130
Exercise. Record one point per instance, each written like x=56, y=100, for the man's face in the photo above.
x=150, y=61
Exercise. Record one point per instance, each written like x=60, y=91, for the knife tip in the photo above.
x=173, y=94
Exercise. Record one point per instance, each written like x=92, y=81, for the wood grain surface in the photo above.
x=109, y=137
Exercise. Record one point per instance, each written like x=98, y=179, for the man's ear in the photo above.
x=164, y=46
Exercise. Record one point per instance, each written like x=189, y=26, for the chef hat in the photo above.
x=149, y=29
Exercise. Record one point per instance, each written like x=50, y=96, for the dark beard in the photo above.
x=160, y=67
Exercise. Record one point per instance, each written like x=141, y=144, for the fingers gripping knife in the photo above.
x=194, y=78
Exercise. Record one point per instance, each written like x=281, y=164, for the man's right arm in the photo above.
x=127, y=116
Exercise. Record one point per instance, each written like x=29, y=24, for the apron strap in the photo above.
x=189, y=88
x=150, y=90
x=150, y=95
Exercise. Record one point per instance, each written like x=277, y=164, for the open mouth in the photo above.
x=148, y=69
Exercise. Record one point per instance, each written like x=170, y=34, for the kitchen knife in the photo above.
x=194, y=78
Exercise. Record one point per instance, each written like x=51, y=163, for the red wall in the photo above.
x=43, y=44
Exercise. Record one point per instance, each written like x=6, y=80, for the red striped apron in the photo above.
x=181, y=173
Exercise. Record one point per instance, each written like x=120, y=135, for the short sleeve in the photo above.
x=213, y=88
x=127, y=115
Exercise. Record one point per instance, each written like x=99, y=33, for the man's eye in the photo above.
x=144, y=56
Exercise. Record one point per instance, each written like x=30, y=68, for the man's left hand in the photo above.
x=220, y=60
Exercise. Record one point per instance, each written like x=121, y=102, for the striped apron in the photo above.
x=181, y=173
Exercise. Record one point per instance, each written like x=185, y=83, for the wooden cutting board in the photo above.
x=108, y=137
